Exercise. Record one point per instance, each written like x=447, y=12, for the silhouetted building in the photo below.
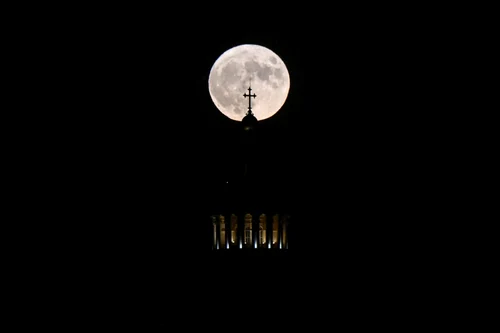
x=249, y=214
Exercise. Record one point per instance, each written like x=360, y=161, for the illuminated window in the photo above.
x=234, y=228
x=275, y=228
x=248, y=229
x=248, y=236
x=222, y=231
x=262, y=229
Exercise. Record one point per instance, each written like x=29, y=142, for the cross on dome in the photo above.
x=249, y=95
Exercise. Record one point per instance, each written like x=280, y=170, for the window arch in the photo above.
x=275, y=228
x=262, y=229
x=247, y=237
x=234, y=229
x=222, y=224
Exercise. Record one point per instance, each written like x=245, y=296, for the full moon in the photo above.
x=244, y=66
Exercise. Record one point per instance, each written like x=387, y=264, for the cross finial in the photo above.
x=249, y=95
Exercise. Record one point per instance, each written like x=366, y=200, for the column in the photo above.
x=227, y=220
x=255, y=231
x=241, y=230
x=280, y=232
x=269, y=232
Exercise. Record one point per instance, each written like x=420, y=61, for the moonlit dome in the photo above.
x=249, y=122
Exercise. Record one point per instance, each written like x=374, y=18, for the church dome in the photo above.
x=249, y=121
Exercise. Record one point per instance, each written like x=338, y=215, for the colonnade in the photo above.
x=257, y=231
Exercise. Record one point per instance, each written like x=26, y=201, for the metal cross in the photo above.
x=249, y=95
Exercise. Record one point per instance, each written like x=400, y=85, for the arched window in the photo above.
x=234, y=228
x=275, y=228
x=262, y=229
x=248, y=230
x=222, y=224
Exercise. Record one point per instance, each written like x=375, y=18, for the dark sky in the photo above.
x=148, y=138
x=346, y=130
x=145, y=143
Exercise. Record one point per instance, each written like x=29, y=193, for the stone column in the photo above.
x=285, y=232
x=241, y=230
x=255, y=231
x=269, y=231
x=227, y=220
x=280, y=232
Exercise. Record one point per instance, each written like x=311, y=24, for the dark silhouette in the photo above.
x=245, y=220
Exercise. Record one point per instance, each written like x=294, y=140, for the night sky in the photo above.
x=155, y=143
x=147, y=146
